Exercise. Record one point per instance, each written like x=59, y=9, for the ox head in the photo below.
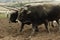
x=23, y=16
x=13, y=17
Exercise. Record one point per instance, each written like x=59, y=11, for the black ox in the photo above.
x=37, y=15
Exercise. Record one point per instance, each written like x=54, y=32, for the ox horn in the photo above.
x=28, y=12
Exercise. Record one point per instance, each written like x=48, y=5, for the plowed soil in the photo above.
x=11, y=32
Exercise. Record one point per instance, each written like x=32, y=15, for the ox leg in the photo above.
x=36, y=29
x=52, y=24
x=58, y=21
x=22, y=26
x=33, y=29
x=46, y=26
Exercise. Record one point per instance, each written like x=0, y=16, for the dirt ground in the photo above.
x=11, y=32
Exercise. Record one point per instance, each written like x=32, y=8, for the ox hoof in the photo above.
x=29, y=38
x=53, y=26
x=48, y=31
x=37, y=30
x=20, y=30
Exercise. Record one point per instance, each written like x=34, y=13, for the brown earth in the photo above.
x=11, y=32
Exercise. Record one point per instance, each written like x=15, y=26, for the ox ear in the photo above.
x=28, y=12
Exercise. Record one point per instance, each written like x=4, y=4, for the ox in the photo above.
x=37, y=15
